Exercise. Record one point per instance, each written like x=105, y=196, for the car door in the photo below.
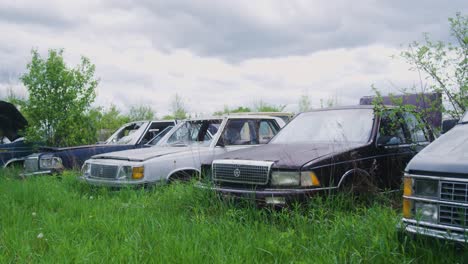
x=394, y=150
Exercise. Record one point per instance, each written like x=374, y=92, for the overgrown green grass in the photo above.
x=56, y=220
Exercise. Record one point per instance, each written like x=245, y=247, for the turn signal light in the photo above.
x=407, y=204
x=138, y=173
x=407, y=186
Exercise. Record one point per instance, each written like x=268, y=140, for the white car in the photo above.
x=180, y=153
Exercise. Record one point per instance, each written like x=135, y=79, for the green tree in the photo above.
x=261, y=106
x=445, y=64
x=227, y=110
x=59, y=100
x=142, y=112
x=304, y=103
x=107, y=120
x=178, y=109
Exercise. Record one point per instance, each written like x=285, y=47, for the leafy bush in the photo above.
x=59, y=100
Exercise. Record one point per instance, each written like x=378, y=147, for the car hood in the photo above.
x=146, y=153
x=447, y=154
x=11, y=120
x=56, y=149
x=290, y=156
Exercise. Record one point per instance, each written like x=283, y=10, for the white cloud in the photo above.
x=224, y=53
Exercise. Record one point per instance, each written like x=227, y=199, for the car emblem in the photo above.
x=237, y=173
x=101, y=171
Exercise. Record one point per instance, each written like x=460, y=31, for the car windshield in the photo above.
x=194, y=132
x=128, y=134
x=341, y=125
x=465, y=118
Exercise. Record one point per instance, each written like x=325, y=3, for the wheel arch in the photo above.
x=350, y=173
x=192, y=170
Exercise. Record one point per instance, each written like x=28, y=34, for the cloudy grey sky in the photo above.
x=216, y=53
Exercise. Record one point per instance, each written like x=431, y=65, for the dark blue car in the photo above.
x=130, y=136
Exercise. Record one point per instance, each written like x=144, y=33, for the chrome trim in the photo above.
x=269, y=192
x=434, y=201
x=47, y=172
x=258, y=163
x=436, y=233
x=115, y=183
x=421, y=223
x=348, y=173
x=416, y=176
x=243, y=162
x=12, y=161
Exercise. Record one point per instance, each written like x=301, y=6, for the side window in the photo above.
x=391, y=130
x=416, y=128
x=249, y=132
x=238, y=132
x=198, y=131
x=186, y=133
x=267, y=130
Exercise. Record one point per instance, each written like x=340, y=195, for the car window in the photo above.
x=267, y=131
x=249, y=131
x=199, y=131
x=416, y=128
x=128, y=134
x=391, y=130
x=159, y=136
x=465, y=118
x=340, y=125
x=154, y=129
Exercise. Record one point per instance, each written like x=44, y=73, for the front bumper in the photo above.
x=435, y=230
x=268, y=196
x=38, y=173
x=114, y=183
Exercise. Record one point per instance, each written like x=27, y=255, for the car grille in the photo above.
x=31, y=165
x=104, y=171
x=453, y=215
x=454, y=191
x=247, y=172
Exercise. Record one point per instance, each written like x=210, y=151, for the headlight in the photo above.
x=285, y=178
x=426, y=212
x=86, y=170
x=425, y=187
x=50, y=162
x=131, y=173
x=125, y=173
x=308, y=178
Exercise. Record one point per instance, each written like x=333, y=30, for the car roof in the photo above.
x=348, y=107
x=231, y=117
x=154, y=121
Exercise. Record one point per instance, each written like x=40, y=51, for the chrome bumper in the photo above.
x=269, y=196
x=113, y=183
x=37, y=173
x=435, y=230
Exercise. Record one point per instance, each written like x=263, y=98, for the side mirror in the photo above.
x=448, y=124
